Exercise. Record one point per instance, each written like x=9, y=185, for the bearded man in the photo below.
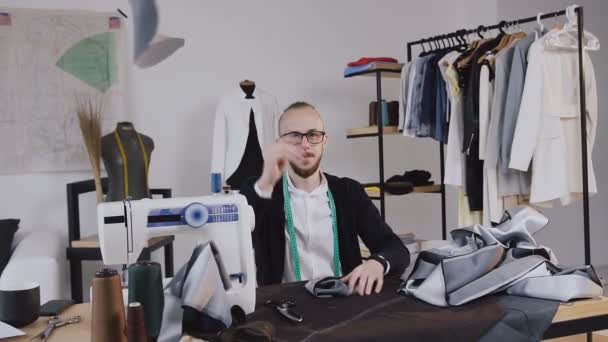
x=308, y=223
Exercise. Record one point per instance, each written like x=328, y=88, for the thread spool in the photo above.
x=146, y=287
x=108, y=313
x=216, y=182
x=136, y=324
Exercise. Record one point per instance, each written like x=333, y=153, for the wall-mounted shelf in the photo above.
x=429, y=189
x=386, y=70
x=371, y=131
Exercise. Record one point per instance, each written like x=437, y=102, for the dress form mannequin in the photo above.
x=126, y=178
x=252, y=161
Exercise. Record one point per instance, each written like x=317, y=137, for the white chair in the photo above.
x=39, y=256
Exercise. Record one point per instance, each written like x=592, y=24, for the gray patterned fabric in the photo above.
x=328, y=287
x=201, y=284
x=484, y=260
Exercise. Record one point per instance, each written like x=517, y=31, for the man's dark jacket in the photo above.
x=357, y=217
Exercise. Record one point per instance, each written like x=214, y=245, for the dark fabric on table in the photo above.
x=525, y=319
x=389, y=316
x=8, y=227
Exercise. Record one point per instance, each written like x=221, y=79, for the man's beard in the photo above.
x=305, y=173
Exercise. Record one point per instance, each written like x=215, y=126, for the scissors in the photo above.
x=284, y=307
x=54, y=322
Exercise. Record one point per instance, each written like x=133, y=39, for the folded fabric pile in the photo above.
x=328, y=287
x=404, y=184
x=367, y=63
x=485, y=260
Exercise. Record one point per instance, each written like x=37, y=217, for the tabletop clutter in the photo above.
x=192, y=307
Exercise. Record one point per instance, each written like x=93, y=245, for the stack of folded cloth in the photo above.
x=367, y=63
x=404, y=184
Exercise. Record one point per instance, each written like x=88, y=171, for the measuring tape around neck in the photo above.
x=292, y=232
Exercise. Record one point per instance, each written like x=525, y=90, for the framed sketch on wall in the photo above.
x=48, y=59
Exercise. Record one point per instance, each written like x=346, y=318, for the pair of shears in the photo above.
x=285, y=308
x=54, y=322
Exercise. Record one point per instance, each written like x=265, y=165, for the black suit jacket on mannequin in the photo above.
x=112, y=160
x=357, y=217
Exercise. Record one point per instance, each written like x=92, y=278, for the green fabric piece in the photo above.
x=93, y=61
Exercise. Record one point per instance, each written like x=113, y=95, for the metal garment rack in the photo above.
x=582, y=98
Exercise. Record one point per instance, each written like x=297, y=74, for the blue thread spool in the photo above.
x=216, y=182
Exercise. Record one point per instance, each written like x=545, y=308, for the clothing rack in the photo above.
x=582, y=98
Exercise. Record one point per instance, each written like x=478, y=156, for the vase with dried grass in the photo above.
x=89, y=111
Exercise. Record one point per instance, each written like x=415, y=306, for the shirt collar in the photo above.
x=320, y=190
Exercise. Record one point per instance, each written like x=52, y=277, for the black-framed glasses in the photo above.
x=313, y=137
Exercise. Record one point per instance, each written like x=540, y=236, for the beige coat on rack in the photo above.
x=548, y=127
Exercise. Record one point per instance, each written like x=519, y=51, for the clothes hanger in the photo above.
x=479, y=29
x=556, y=23
x=463, y=37
x=567, y=37
x=539, y=22
x=504, y=42
x=424, y=51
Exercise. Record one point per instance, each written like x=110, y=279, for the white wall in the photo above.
x=296, y=50
x=565, y=231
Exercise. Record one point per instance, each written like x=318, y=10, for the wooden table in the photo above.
x=88, y=249
x=575, y=315
x=80, y=332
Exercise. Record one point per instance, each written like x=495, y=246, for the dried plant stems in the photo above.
x=89, y=117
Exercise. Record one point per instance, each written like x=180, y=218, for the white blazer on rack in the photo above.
x=548, y=127
x=231, y=127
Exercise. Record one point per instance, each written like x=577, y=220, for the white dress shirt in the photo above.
x=314, y=232
x=231, y=127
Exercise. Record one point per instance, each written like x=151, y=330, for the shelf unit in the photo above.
x=380, y=131
x=425, y=189
x=371, y=131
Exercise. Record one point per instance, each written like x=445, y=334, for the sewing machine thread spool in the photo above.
x=146, y=287
x=216, y=182
x=136, y=324
x=108, y=311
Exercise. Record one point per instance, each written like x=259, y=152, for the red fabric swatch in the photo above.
x=366, y=60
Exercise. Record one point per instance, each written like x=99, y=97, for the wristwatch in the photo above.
x=379, y=258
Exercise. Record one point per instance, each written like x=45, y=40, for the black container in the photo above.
x=19, y=304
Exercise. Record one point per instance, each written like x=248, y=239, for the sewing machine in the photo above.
x=226, y=220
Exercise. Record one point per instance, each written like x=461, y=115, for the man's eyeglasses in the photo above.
x=313, y=137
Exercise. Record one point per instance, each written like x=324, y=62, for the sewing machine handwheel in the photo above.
x=196, y=215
